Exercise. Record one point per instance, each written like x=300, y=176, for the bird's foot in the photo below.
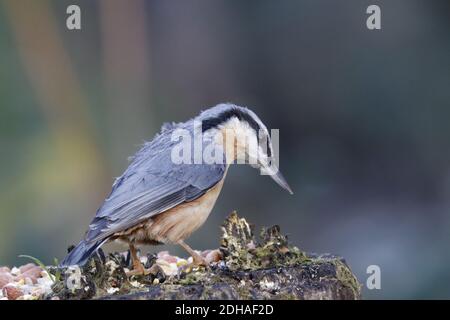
x=139, y=270
x=197, y=262
x=197, y=259
x=136, y=271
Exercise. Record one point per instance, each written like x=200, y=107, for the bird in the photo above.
x=160, y=201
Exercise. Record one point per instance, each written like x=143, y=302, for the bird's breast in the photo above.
x=179, y=222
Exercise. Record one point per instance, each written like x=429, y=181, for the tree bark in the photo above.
x=324, y=278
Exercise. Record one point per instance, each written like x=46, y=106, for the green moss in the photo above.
x=244, y=292
x=191, y=278
x=347, y=278
x=242, y=251
x=286, y=296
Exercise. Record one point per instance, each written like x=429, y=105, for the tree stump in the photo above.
x=247, y=268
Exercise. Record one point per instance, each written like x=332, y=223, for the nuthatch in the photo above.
x=158, y=201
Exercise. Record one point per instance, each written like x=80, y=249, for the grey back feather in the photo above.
x=152, y=184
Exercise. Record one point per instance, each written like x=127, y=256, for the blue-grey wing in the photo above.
x=151, y=185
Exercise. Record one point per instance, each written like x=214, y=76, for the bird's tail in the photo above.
x=81, y=253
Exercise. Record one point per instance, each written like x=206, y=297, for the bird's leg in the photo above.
x=197, y=260
x=138, y=268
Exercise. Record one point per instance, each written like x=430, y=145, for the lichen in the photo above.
x=192, y=278
x=347, y=278
x=242, y=251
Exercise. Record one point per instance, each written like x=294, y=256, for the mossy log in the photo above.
x=325, y=277
x=270, y=268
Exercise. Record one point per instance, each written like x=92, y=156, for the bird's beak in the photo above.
x=276, y=175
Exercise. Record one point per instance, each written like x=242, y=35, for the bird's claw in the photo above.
x=197, y=262
x=201, y=262
x=141, y=271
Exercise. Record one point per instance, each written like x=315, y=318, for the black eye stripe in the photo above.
x=269, y=151
x=242, y=116
x=226, y=115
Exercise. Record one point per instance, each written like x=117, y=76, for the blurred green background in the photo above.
x=363, y=118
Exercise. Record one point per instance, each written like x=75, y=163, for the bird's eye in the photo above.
x=269, y=152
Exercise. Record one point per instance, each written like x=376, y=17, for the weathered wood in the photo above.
x=325, y=277
x=270, y=268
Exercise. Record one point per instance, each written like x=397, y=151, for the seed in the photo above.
x=5, y=278
x=27, y=267
x=12, y=292
x=213, y=256
x=181, y=262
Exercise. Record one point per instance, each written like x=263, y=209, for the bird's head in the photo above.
x=243, y=137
